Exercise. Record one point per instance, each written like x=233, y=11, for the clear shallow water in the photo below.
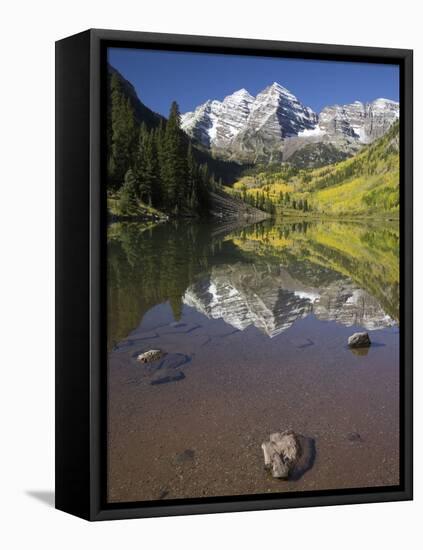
x=255, y=322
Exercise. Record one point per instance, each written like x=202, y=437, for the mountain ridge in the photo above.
x=275, y=124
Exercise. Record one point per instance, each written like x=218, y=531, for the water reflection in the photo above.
x=267, y=275
x=269, y=298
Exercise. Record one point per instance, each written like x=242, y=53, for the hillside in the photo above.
x=227, y=171
x=364, y=185
x=141, y=112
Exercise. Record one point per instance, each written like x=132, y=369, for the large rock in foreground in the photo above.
x=359, y=340
x=281, y=453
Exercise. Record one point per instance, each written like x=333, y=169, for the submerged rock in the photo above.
x=186, y=456
x=165, y=378
x=359, y=340
x=281, y=453
x=150, y=356
x=161, y=368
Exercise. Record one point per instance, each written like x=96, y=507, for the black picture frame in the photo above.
x=81, y=275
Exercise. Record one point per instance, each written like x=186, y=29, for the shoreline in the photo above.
x=340, y=217
x=112, y=218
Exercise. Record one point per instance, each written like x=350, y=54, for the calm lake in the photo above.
x=254, y=322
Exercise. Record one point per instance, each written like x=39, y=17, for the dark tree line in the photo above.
x=153, y=165
x=262, y=201
x=296, y=204
x=259, y=200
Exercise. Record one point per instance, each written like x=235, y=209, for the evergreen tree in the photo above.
x=158, y=165
x=174, y=172
x=146, y=165
x=158, y=190
x=122, y=135
x=127, y=195
x=204, y=187
x=192, y=180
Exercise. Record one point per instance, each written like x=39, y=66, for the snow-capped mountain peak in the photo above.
x=241, y=93
x=277, y=111
x=277, y=88
x=235, y=111
x=242, y=126
x=201, y=123
x=360, y=121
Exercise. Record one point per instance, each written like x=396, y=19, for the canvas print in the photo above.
x=252, y=275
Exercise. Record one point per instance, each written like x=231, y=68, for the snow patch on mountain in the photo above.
x=311, y=132
x=245, y=126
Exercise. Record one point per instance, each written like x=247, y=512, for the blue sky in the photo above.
x=160, y=77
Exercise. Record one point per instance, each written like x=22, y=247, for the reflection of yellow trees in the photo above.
x=149, y=265
x=367, y=253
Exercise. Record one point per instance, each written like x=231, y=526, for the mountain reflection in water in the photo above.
x=271, y=300
x=268, y=275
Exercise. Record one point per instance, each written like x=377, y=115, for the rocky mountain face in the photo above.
x=234, y=113
x=362, y=121
x=276, y=114
x=202, y=122
x=216, y=123
x=275, y=124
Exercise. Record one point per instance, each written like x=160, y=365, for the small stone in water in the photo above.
x=150, y=356
x=186, y=456
x=354, y=436
x=359, y=340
